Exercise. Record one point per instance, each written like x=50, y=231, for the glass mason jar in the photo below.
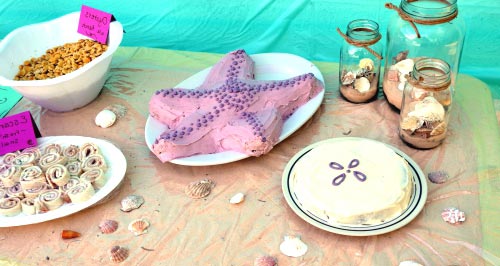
x=421, y=28
x=426, y=105
x=360, y=57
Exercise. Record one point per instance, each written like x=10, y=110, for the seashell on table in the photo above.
x=118, y=254
x=293, y=246
x=453, y=215
x=69, y=234
x=108, y=226
x=438, y=177
x=199, y=189
x=409, y=263
x=131, y=202
x=265, y=261
x=237, y=198
x=138, y=226
x=105, y=118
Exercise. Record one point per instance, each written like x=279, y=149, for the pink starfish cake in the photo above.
x=230, y=111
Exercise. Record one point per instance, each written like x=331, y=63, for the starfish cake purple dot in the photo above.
x=230, y=110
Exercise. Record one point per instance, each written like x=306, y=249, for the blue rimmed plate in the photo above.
x=417, y=200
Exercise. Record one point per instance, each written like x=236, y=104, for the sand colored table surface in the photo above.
x=211, y=231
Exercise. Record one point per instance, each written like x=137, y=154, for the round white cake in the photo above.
x=352, y=181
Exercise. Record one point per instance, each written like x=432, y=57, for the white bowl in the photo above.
x=63, y=93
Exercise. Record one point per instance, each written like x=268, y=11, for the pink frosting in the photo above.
x=229, y=111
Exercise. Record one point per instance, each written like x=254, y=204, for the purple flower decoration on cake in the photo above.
x=340, y=178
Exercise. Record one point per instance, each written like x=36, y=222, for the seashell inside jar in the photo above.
x=426, y=105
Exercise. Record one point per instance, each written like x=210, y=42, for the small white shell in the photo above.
x=409, y=263
x=362, y=84
x=366, y=63
x=105, y=118
x=237, y=198
x=292, y=246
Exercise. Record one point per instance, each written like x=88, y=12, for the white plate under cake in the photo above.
x=354, y=186
x=267, y=67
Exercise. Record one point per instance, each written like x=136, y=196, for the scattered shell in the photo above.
x=108, y=226
x=362, y=84
x=265, y=261
x=138, y=226
x=292, y=246
x=131, y=202
x=118, y=254
x=438, y=177
x=366, y=63
x=348, y=78
x=409, y=263
x=453, y=215
x=105, y=118
x=69, y=234
x=237, y=198
x=199, y=189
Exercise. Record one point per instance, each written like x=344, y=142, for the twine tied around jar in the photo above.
x=412, y=21
x=420, y=83
x=363, y=44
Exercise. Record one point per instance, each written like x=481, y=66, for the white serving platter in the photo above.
x=268, y=66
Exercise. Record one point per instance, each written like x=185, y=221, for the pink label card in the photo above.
x=94, y=23
x=17, y=132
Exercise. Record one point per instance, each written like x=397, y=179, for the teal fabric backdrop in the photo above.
x=303, y=27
